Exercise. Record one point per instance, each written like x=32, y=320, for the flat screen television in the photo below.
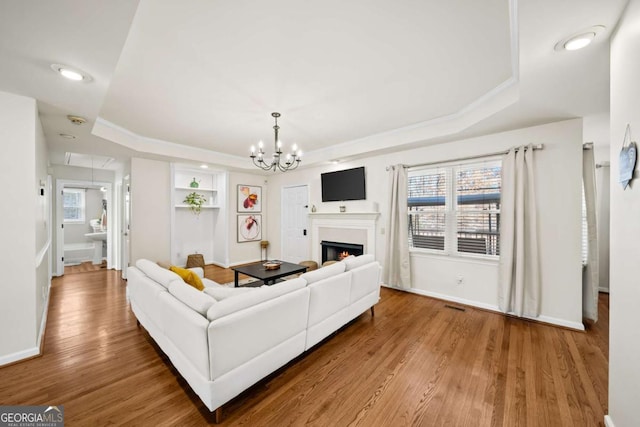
x=348, y=184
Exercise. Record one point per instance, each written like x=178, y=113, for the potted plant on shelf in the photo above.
x=195, y=202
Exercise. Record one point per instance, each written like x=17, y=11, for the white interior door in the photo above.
x=294, y=218
x=126, y=218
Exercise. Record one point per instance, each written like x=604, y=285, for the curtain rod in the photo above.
x=460, y=159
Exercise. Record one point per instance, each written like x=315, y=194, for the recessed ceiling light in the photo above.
x=204, y=166
x=67, y=136
x=580, y=39
x=71, y=73
x=578, y=42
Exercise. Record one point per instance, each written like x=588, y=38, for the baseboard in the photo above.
x=605, y=290
x=578, y=326
x=608, y=421
x=19, y=356
x=237, y=263
x=543, y=319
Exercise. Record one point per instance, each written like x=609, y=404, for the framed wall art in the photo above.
x=249, y=228
x=249, y=198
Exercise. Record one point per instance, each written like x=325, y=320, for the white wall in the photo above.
x=43, y=227
x=151, y=213
x=559, y=168
x=18, y=317
x=624, y=333
x=150, y=210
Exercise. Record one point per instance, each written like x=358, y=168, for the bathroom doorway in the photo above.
x=83, y=233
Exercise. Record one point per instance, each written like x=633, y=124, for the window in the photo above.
x=456, y=209
x=73, y=205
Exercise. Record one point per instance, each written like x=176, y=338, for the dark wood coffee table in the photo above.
x=268, y=277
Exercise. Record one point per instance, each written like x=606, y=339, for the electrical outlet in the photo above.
x=459, y=279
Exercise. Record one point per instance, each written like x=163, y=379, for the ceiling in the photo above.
x=197, y=80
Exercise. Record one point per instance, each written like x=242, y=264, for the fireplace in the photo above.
x=336, y=251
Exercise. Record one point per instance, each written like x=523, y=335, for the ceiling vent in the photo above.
x=88, y=161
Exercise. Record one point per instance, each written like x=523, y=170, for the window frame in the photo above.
x=82, y=206
x=451, y=210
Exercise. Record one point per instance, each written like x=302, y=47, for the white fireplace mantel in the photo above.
x=348, y=220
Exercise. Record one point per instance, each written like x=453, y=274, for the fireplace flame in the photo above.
x=343, y=255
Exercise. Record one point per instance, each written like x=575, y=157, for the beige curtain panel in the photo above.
x=397, y=268
x=519, y=268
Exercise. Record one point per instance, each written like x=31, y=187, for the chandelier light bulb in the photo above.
x=279, y=144
x=253, y=149
x=294, y=147
x=260, y=144
x=299, y=153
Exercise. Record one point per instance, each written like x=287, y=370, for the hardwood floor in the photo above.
x=416, y=362
x=84, y=267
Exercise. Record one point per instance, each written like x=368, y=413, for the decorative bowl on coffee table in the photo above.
x=272, y=265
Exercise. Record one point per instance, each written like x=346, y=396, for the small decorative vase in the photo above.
x=194, y=184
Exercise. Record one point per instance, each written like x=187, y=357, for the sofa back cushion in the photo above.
x=190, y=296
x=323, y=273
x=248, y=299
x=157, y=273
x=364, y=280
x=358, y=261
x=224, y=292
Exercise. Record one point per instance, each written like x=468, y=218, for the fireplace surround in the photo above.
x=343, y=223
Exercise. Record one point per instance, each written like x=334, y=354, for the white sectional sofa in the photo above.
x=224, y=340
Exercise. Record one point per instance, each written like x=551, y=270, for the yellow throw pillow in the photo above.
x=188, y=276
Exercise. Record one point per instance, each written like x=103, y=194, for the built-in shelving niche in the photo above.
x=205, y=233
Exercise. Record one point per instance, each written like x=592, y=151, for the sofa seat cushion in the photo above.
x=323, y=273
x=358, y=261
x=189, y=277
x=157, y=273
x=249, y=299
x=191, y=297
x=223, y=292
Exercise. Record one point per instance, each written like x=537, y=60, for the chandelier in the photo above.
x=290, y=161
